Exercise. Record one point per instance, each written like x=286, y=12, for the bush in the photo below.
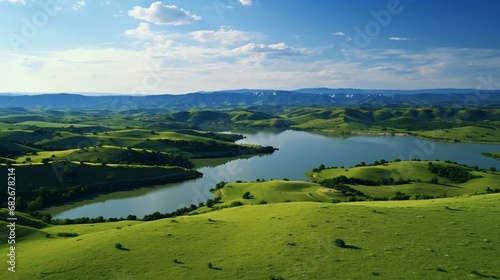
x=339, y=243
x=263, y=202
x=118, y=246
x=236, y=204
x=246, y=195
x=67, y=234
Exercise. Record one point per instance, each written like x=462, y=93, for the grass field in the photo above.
x=464, y=125
x=413, y=170
x=464, y=134
x=452, y=238
x=275, y=191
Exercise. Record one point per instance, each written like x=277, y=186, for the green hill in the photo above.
x=416, y=172
x=451, y=238
x=468, y=125
x=274, y=191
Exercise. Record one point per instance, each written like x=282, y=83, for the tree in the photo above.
x=209, y=203
x=246, y=195
x=131, y=217
x=493, y=169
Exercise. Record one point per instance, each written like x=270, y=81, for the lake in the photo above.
x=298, y=152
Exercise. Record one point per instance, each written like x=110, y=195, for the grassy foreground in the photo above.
x=452, y=238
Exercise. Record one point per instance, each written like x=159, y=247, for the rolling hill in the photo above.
x=450, y=238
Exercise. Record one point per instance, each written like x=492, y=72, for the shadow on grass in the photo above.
x=475, y=272
x=216, y=268
x=213, y=267
x=123, y=249
x=351, y=247
x=452, y=209
x=119, y=246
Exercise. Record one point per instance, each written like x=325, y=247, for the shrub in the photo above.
x=210, y=265
x=67, y=234
x=246, y=195
x=236, y=203
x=263, y=202
x=118, y=246
x=339, y=243
x=351, y=198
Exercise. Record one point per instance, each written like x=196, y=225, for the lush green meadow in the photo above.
x=274, y=191
x=419, y=175
x=445, y=124
x=452, y=238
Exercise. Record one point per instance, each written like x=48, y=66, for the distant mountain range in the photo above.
x=256, y=97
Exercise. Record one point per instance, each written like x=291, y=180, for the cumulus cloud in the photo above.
x=223, y=36
x=143, y=31
x=401, y=39
x=280, y=48
x=342, y=34
x=161, y=14
x=14, y=1
x=246, y=2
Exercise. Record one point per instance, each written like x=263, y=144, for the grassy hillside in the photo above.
x=275, y=191
x=417, y=172
x=459, y=125
x=451, y=238
x=62, y=175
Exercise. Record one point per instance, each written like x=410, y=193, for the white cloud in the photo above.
x=143, y=32
x=78, y=5
x=401, y=39
x=14, y=1
x=280, y=48
x=246, y=2
x=164, y=66
x=342, y=34
x=226, y=37
x=161, y=14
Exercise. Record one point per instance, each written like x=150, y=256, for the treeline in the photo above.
x=153, y=158
x=212, y=147
x=329, y=183
x=44, y=197
x=453, y=173
x=338, y=183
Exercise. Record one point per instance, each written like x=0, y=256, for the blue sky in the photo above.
x=146, y=47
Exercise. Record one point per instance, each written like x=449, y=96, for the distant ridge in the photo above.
x=257, y=97
x=383, y=91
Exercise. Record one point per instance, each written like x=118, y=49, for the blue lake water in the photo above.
x=298, y=152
